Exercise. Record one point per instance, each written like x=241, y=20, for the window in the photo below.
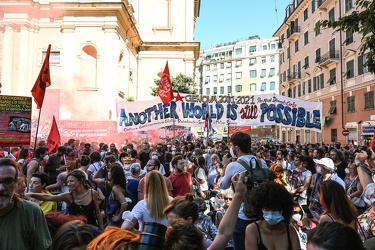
x=317, y=28
x=214, y=67
x=304, y=88
x=221, y=90
x=272, y=85
x=221, y=65
x=263, y=59
x=238, y=51
x=305, y=14
x=284, y=76
x=207, y=79
x=253, y=61
x=207, y=67
x=349, y=69
x=272, y=71
x=238, y=75
x=369, y=100
x=306, y=63
x=253, y=48
x=318, y=82
x=229, y=88
x=229, y=76
x=221, y=78
x=332, y=76
x=296, y=46
x=334, y=135
x=207, y=91
x=238, y=88
x=332, y=108
x=309, y=86
x=264, y=47
x=263, y=74
x=215, y=78
x=282, y=58
x=263, y=86
x=348, y=5
x=351, y=103
x=215, y=90
x=317, y=55
x=253, y=87
x=331, y=15
x=348, y=37
x=273, y=46
x=253, y=73
x=54, y=57
x=288, y=53
x=229, y=64
x=299, y=90
x=272, y=58
x=238, y=63
x=313, y=6
x=305, y=38
x=361, y=62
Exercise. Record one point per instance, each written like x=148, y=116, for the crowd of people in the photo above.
x=188, y=193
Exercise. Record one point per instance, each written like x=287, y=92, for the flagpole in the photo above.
x=37, y=128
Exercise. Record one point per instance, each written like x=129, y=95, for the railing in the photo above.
x=294, y=76
x=330, y=55
x=292, y=30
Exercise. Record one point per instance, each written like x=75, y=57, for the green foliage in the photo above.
x=361, y=20
x=180, y=84
x=130, y=99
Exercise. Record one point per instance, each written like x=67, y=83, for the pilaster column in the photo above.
x=8, y=59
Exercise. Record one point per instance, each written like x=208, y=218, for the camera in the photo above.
x=152, y=236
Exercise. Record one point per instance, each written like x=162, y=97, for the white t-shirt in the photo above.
x=202, y=175
x=142, y=214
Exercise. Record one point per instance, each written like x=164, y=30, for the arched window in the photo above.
x=88, y=67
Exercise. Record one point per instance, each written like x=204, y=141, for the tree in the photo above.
x=361, y=20
x=180, y=84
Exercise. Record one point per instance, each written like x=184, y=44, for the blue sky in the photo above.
x=223, y=21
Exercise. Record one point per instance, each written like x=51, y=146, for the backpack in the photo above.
x=296, y=180
x=24, y=167
x=255, y=177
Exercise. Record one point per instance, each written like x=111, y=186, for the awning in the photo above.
x=351, y=125
x=208, y=54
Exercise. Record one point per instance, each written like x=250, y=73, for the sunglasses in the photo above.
x=227, y=198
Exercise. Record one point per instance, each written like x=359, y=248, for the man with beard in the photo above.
x=338, y=158
x=55, y=164
x=144, y=155
x=181, y=180
x=26, y=227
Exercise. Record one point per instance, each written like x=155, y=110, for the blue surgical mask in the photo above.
x=273, y=217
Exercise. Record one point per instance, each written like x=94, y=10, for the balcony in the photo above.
x=329, y=58
x=294, y=77
x=323, y=4
x=293, y=32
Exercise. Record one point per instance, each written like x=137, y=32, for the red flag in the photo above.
x=42, y=81
x=165, y=91
x=53, y=138
x=373, y=142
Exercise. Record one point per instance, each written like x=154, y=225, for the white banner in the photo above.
x=191, y=110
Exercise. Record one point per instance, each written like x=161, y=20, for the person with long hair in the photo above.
x=273, y=205
x=337, y=204
x=353, y=186
x=200, y=174
x=81, y=199
x=150, y=209
x=115, y=238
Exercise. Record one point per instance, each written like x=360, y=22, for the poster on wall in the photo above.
x=15, y=120
x=224, y=111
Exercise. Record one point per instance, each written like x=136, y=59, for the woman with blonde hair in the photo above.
x=115, y=238
x=150, y=209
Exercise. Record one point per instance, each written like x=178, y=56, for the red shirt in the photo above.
x=180, y=183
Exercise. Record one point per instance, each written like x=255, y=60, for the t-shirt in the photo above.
x=180, y=183
x=48, y=206
x=26, y=228
x=202, y=175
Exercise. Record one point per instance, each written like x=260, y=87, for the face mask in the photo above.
x=232, y=153
x=179, y=170
x=296, y=217
x=318, y=169
x=46, y=157
x=346, y=171
x=128, y=150
x=154, y=157
x=273, y=218
x=127, y=167
x=173, y=152
x=208, y=151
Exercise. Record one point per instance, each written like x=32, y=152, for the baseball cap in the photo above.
x=327, y=163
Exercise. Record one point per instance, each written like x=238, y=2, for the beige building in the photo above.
x=101, y=51
x=326, y=65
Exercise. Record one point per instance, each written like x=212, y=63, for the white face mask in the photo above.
x=154, y=157
x=173, y=152
x=46, y=157
x=318, y=169
x=296, y=217
x=346, y=170
x=127, y=167
x=232, y=153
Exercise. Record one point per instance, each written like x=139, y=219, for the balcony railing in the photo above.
x=331, y=56
x=294, y=76
x=323, y=4
x=294, y=30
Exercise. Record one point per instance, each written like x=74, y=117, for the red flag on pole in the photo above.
x=165, y=91
x=53, y=138
x=373, y=141
x=42, y=81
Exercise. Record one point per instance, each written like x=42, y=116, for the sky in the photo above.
x=222, y=21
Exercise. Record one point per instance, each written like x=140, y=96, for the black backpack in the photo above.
x=24, y=166
x=255, y=177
